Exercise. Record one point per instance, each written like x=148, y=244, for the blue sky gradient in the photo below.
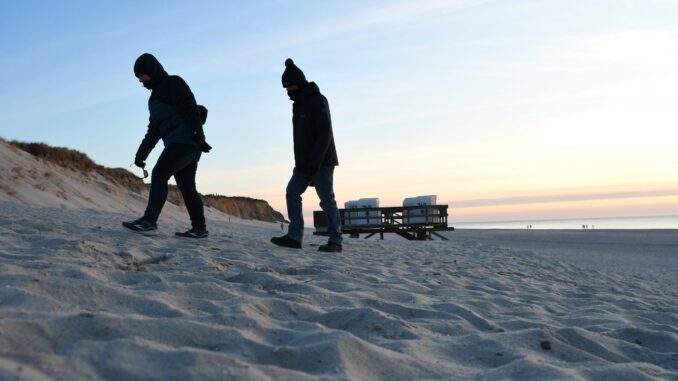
x=469, y=99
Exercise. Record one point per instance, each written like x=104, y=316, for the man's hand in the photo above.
x=204, y=147
x=202, y=144
x=199, y=138
x=139, y=162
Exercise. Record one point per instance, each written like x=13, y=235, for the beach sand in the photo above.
x=653, y=253
x=83, y=299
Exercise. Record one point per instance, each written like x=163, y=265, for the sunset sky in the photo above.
x=507, y=110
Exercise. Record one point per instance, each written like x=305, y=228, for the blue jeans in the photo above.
x=323, y=183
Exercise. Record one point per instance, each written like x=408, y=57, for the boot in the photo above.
x=331, y=247
x=286, y=241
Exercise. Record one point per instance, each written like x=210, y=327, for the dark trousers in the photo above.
x=180, y=161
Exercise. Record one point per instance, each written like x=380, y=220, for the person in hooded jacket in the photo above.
x=174, y=118
x=315, y=157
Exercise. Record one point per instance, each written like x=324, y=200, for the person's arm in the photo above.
x=182, y=99
x=322, y=124
x=147, y=144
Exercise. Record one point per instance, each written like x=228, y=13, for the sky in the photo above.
x=506, y=110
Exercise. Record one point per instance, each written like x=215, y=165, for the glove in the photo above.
x=204, y=147
x=199, y=139
x=139, y=162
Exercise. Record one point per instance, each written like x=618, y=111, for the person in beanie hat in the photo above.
x=293, y=75
x=174, y=118
x=314, y=159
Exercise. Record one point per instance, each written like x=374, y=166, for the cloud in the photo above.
x=538, y=199
x=356, y=20
x=613, y=54
x=398, y=13
x=633, y=50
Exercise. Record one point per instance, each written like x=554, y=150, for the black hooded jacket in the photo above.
x=313, y=137
x=180, y=122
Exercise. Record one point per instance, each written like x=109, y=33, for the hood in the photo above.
x=311, y=88
x=148, y=64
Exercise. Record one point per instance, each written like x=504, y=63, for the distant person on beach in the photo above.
x=314, y=159
x=176, y=119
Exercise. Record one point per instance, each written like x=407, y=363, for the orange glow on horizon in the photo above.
x=647, y=206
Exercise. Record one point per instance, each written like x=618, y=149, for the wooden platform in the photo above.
x=407, y=221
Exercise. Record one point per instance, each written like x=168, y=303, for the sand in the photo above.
x=643, y=252
x=83, y=299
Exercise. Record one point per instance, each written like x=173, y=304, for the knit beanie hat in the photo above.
x=292, y=74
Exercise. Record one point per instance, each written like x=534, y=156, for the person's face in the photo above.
x=291, y=89
x=143, y=78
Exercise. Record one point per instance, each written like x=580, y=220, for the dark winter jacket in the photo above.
x=174, y=115
x=313, y=138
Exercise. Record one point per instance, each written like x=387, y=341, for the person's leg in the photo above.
x=295, y=188
x=185, y=179
x=324, y=186
x=172, y=159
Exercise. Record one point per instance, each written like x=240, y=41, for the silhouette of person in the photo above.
x=175, y=118
x=315, y=157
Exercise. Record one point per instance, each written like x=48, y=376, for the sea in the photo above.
x=654, y=222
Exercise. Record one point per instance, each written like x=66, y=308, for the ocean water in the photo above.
x=657, y=222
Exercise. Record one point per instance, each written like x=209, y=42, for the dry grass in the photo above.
x=63, y=157
x=80, y=162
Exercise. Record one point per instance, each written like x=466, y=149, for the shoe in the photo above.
x=194, y=233
x=331, y=247
x=286, y=241
x=141, y=226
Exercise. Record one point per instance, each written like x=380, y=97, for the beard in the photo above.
x=148, y=84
